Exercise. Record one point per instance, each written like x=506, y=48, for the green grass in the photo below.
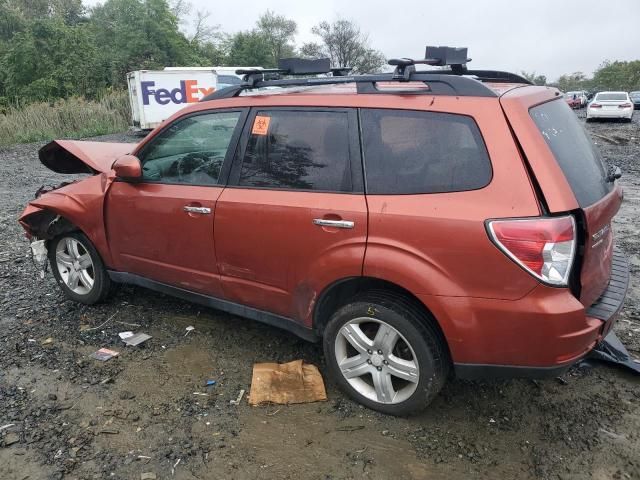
x=70, y=118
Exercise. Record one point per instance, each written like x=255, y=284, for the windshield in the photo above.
x=574, y=151
x=611, y=97
x=634, y=94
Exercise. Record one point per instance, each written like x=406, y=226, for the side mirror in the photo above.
x=127, y=167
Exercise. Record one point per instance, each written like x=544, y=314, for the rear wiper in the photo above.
x=614, y=173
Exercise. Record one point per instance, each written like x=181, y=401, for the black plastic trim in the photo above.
x=473, y=371
x=272, y=319
x=611, y=300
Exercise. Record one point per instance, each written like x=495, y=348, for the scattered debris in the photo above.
x=349, y=428
x=104, y=354
x=201, y=394
x=125, y=335
x=47, y=341
x=189, y=329
x=210, y=383
x=8, y=425
x=239, y=399
x=136, y=339
x=102, y=324
x=129, y=324
x=11, y=438
x=612, y=350
x=109, y=431
x=148, y=476
x=286, y=383
x=561, y=381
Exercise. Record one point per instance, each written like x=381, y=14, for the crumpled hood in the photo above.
x=73, y=156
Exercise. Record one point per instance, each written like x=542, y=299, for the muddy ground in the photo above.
x=73, y=417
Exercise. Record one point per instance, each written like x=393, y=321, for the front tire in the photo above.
x=386, y=354
x=78, y=268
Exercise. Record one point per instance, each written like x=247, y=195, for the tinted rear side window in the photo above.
x=300, y=150
x=574, y=151
x=411, y=152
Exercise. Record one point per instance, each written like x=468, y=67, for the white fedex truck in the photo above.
x=156, y=95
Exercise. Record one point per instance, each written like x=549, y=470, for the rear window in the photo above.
x=574, y=151
x=603, y=97
x=411, y=152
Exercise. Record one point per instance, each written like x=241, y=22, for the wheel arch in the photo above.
x=341, y=291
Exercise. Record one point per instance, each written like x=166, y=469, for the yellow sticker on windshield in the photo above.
x=260, y=125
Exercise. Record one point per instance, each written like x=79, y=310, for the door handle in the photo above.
x=202, y=210
x=322, y=222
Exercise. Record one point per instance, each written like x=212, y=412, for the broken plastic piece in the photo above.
x=286, y=383
x=612, y=350
x=189, y=329
x=125, y=335
x=210, y=383
x=39, y=250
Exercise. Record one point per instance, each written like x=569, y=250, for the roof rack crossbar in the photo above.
x=455, y=81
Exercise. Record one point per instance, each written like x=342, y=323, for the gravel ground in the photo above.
x=74, y=417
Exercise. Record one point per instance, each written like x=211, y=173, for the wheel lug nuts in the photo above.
x=385, y=362
x=369, y=362
x=379, y=352
x=379, y=368
x=369, y=352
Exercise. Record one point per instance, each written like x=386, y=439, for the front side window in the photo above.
x=191, y=151
x=299, y=150
x=412, y=152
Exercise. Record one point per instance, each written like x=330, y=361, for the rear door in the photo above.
x=571, y=174
x=293, y=217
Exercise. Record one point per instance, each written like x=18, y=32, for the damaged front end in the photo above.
x=75, y=205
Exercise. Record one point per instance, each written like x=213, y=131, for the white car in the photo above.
x=610, y=105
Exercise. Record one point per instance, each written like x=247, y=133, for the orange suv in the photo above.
x=420, y=223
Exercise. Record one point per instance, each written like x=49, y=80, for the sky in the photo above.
x=549, y=37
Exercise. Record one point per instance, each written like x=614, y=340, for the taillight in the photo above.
x=545, y=247
x=625, y=105
x=595, y=105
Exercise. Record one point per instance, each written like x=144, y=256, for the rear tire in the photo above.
x=78, y=268
x=386, y=353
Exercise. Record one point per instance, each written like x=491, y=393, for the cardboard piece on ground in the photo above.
x=286, y=383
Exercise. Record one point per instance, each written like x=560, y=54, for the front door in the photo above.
x=162, y=227
x=294, y=216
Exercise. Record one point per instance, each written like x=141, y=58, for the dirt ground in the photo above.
x=76, y=418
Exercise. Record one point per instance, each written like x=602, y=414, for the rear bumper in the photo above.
x=541, y=335
x=602, y=113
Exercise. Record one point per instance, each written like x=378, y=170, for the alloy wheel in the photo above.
x=75, y=265
x=376, y=360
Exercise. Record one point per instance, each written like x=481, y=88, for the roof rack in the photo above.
x=455, y=81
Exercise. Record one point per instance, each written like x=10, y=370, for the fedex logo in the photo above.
x=187, y=93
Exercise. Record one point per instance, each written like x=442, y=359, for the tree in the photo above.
x=533, y=78
x=345, y=45
x=138, y=34
x=617, y=76
x=573, y=81
x=50, y=60
x=248, y=49
x=278, y=33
